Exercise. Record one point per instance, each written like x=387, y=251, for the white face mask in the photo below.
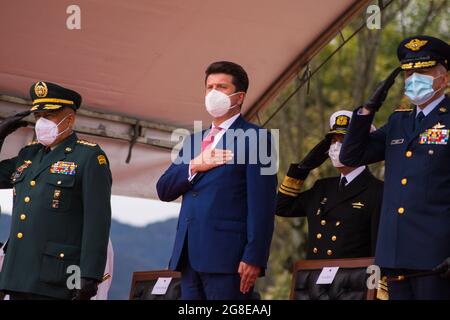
x=218, y=103
x=335, y=150
x=47, y=131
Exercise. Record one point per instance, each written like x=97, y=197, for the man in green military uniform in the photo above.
x=61, y=212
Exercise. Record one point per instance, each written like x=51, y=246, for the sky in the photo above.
x=132, y=211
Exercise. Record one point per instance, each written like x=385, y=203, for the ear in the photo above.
x=241, y=98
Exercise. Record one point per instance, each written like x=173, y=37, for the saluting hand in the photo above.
x=313, y=159
x=249, y=273
x=379, y=95
x=209, y=159
x=11, y=124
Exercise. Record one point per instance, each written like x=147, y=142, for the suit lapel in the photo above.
x=55, y=155
x=358, y=185
x=237, y=124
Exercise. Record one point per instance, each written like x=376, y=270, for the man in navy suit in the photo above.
x=414, y=230
x=226, y=176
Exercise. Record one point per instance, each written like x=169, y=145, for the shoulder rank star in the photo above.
x=86, y=143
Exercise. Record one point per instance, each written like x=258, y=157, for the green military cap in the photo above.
x=420, y=52
x=47, y=96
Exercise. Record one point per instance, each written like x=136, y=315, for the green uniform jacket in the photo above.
x=61, y=216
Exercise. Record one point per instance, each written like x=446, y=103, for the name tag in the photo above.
x=434, y=136
x=397, y=141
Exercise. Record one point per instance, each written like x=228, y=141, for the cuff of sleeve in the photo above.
x=291, y=186
x=190, y=175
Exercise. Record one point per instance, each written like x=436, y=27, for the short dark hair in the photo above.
x=240, y=77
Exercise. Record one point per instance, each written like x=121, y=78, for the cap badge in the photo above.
x=416, y=44
x=342, y=121
x=40, y=89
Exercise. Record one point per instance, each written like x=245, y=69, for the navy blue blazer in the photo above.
x=227, y=213
x=414, y=230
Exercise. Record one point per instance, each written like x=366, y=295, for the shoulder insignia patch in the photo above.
x=101, y=159
x=86, y=143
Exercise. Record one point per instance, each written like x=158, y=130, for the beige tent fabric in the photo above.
x=146, y=59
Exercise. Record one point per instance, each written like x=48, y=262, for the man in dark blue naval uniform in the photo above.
x=61, y=212
x=414, y=230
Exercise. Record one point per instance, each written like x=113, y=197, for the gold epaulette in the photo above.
x=291, y=186
x=86, y=143
x=382, y=291
x=32, y=143
x=403, y=110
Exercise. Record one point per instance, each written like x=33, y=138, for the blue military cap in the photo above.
x=47, y=96
x=421, y=51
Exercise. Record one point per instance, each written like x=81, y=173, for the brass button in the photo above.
x=32, y=183
x=404, y=181
x=401, y=210
x=408, y=154
x=338, y=223
x=315, y=250
x=27, y=199
x=59, y=182
x=61, y=255
x=319, y=235
x=323, y=222
x=20, y=235
x=430, y=152
x=68, y=149
x=333, y=238
x=23, y=216
x=329, y=252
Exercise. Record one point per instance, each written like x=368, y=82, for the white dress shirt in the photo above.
x=352, y=175
x=426, y=111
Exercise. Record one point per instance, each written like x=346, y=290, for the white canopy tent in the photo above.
x=139, y=65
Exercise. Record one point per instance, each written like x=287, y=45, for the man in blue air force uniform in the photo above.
x=414, y=231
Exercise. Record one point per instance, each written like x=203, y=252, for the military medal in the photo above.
x=18, y=173
x=434, y=136
x=61, y=167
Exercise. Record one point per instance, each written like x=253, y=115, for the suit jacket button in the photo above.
x=315, y=250
x=32, y=183
x=23, y=216
x=323, y=222
x=61, y=255
x=431, y=152
x=338, y=223
x=404, y=181
x=20, y=235
x=333, y=238
x=409, y=154
x=329, y=252
x=401, y=210
x=27, y=199
x=319, y=235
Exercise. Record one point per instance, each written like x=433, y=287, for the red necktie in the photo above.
x=209, y=139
